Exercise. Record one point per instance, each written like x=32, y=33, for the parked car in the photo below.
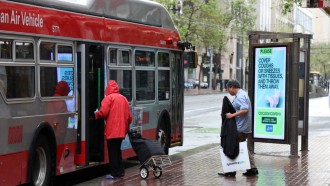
x=204, y=85
x=195, y=83
x=188, y=85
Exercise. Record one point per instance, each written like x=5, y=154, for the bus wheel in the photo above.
x=162, y=138
x=164, y=131
x=41, y=166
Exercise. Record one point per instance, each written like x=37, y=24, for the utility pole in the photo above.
x=211, y=66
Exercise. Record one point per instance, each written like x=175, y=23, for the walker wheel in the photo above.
x=157, y=171
x=144, y=173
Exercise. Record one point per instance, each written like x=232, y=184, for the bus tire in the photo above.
x=41, y=163
x=164, y=131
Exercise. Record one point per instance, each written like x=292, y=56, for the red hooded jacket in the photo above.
x=115, y=110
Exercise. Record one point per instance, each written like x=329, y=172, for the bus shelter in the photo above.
x=278, y=83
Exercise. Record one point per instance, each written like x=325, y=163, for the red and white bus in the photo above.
x=55, y=59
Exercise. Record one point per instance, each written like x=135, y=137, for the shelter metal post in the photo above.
x=294, y=87
x=304, y=138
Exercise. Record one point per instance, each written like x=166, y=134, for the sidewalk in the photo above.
x=200, y=166
x=196, y=91
x=276, y=167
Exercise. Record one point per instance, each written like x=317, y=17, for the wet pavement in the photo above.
x=199, y=166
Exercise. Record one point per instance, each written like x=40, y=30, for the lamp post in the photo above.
x=210, y=51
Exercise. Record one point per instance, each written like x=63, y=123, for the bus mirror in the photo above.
x=190, y=59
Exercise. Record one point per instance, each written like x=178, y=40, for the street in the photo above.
x=202, y=121
x=201, y=131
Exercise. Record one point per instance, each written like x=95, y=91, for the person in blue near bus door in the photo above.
x=116, y=111
x=243, y=117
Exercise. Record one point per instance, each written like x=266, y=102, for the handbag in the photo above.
x=241, y=162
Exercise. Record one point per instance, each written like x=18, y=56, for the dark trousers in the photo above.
x=115, y=157
x=242, y=137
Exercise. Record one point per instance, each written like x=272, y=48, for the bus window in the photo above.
x=5, y=49
x=113, y=56
x=24, y=50
x=124, y=57
x=144, y=58
x=17, y=81
x=152, y=16
x=163, y=59
x=119, y=58
x=64, y=53
x=47, y=51
x=163, y=76
x=3, y=79
x=50, y=76
x=163, y=85
x=20, y=82
x=145, y=85
x=124, y=80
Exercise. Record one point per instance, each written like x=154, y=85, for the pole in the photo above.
x=304, y=138
x=211, y=65
x=294, y=96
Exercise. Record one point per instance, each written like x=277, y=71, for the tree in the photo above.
x=242, y=20
x=210, y=23
x=288, y=5
x=320, y=59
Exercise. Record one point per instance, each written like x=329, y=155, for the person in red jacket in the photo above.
x=116, y=111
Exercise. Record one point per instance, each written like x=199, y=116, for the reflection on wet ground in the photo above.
x=310, y=168
x=276, y=166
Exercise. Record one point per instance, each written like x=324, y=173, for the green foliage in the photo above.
x=320, y=58
x=288, y=5
x=244, y=19
x=211, y=24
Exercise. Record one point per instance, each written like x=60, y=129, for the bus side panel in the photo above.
x=13, y=168
x=128, y=153
x=121, y=32
x=65, y=158
x=80, y=159
x=48, y=21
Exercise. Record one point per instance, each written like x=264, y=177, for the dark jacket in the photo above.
x=229, y=140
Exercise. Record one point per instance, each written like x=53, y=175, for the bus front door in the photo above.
x=91, y=88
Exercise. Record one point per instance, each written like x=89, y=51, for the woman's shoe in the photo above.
x=110, y=177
